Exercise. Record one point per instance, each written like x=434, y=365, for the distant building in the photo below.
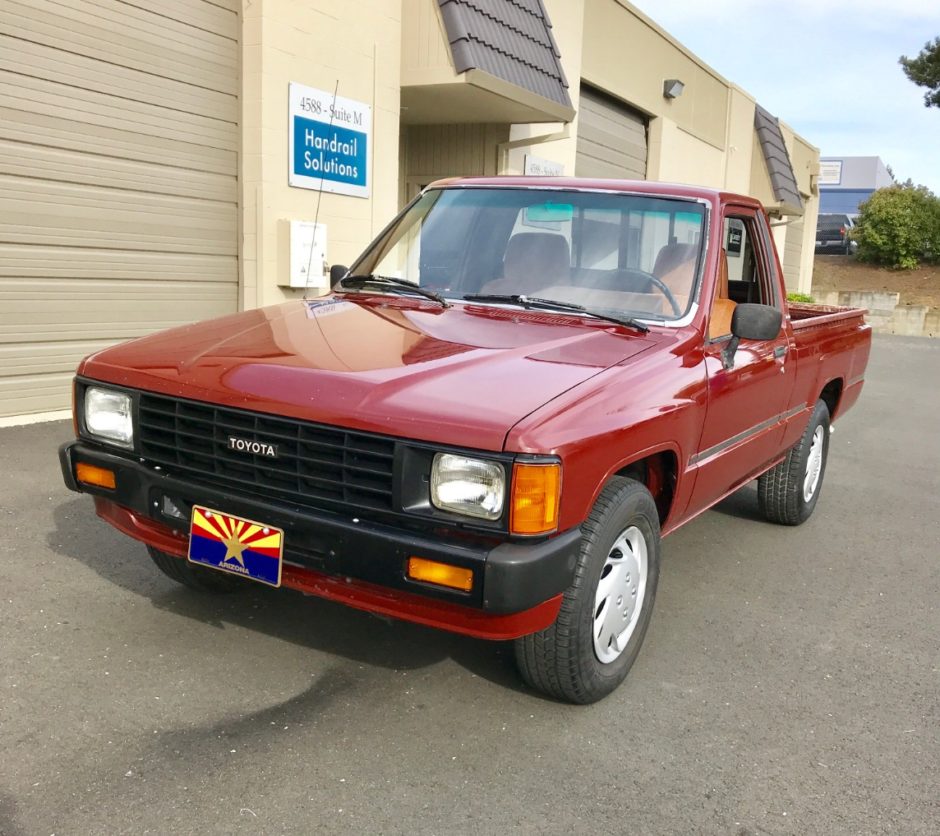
x=847, y=182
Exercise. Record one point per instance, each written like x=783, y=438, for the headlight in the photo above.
x=108, y=416
x=468, y=486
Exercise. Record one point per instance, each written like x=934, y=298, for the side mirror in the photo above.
x=751, y=322
x=337, y=271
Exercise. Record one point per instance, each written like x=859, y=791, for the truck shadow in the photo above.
x=742, y=505
x=280, y=613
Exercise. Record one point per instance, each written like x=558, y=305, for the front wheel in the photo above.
x=787, y=494
x=604, y=615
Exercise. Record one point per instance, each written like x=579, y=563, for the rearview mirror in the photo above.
x=549, y=212
x=751, y=322
x=337, y=271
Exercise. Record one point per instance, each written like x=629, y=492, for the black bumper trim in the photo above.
x=509, y=577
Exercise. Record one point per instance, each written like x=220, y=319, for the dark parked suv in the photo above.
x=832, y=234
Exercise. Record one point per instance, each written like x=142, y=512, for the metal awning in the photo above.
x=779, y=167
x=504, y=53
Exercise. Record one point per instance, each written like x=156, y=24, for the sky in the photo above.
x=829, y=70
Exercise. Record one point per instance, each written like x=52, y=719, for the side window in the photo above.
x=746, y=248
x=743, y=275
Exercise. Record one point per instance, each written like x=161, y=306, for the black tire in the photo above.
x=195, y=577
x=780, y=491
x=561, y=660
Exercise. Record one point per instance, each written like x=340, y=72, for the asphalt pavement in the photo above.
x=790, y=680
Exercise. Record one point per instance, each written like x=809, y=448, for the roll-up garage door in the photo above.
x=793, y=253
x=118, y=180
x=611, y=138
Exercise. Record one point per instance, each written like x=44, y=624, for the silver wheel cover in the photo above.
x=814, y=464
x=620, y=594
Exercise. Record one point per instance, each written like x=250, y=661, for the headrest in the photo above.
x=539, y=254
x=671, y=256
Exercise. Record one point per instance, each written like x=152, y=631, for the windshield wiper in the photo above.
x=537, y=303
x=392, y=282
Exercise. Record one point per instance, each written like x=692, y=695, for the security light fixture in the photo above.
x=672, y=88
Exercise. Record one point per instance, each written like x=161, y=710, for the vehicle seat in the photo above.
x=533, y=260
x=675, y=267
x=722, y=306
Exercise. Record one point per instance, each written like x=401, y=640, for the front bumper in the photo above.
x=516, y=588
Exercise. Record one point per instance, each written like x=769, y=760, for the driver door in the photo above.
x=747, y=404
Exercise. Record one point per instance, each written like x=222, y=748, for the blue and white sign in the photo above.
x=329, y=142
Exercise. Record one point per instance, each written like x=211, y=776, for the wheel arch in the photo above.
x=658, y=470
x=831, y=395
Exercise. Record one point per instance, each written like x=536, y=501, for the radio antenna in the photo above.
x=316, y=217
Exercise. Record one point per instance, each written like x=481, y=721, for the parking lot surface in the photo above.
x=790, y=681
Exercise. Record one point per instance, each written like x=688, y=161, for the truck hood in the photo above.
x=462, y=375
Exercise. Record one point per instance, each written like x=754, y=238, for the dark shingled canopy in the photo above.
x=509, y=39
x=778, y=160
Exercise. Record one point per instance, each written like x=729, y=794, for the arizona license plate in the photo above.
x=235, y=545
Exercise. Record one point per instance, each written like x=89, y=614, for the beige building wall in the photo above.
x=800, y=233
x=567, y=17
x=316, y=44
x=385, y=49
x=704, y=137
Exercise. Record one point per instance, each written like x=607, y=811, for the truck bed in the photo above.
x=805, y=316
x=832, y=343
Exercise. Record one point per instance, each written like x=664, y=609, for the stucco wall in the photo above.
x=314, y=44
x=706, y=136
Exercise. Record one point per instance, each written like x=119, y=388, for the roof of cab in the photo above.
x=682, y=190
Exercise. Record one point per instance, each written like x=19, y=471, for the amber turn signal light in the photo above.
x=89, y=474
x=440, y=574
x=535, y=493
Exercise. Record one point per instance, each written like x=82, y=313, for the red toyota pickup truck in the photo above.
x=520, y=387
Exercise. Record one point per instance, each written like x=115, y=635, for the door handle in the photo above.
x=780, y=351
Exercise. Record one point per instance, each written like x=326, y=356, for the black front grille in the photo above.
x=316, y=465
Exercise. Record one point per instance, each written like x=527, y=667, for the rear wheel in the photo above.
x=195, y=577
x=787, y=494
x=604, y=615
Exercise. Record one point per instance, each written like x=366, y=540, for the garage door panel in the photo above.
x=55, y=358
x=21, y=394
x=88, y=137
x=218, y=16
x=619, y=159
x=58, y=310
x=118, y=193
x=598, y=115
x=82, y=30
x=27, y=263
x=631, y=143
x=110, y=79
x=39, y=161
x=45, y=212
x=793, y=252
x=611, y=138
x=67, y=104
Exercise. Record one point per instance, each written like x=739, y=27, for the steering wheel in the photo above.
x=661, y=286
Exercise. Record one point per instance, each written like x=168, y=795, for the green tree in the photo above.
x=899, y=226
x=924, y=71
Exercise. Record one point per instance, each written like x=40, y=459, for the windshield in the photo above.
x=630, y=255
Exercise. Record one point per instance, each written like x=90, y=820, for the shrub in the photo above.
x=801, y=297
x=899, y=226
